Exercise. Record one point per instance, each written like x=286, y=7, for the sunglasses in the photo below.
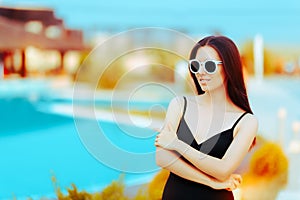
x=210, y=66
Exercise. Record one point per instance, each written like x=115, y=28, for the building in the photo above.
x=21, y=28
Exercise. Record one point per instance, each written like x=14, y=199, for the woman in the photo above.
x=206, y=136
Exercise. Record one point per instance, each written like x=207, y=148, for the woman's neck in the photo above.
x=215, y=97
x=218, y=99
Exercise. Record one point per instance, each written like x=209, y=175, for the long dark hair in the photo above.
x=234, y=79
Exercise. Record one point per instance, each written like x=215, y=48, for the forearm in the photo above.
x=171, y=161
x=212, y=166
x=222, y=168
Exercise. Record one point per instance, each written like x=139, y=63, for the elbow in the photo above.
x=158, y=160
x=159, y=157
x=223, y=174
x=164, y=158
x=222, y=177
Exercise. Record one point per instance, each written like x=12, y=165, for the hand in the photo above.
x=167, y=138
x=232, y=183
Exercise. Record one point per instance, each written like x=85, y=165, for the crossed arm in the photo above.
x=169, y=149
x=221, y=169
x=170, y=160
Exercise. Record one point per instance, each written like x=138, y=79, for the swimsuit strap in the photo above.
x=237, y=121
x=184, y=105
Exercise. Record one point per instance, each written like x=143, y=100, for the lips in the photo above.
x=204, y=81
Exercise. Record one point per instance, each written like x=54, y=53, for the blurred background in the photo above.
x=67, y=64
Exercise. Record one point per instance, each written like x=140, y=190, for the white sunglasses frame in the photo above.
x=217, y=62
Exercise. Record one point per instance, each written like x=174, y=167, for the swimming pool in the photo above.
x=36, y=143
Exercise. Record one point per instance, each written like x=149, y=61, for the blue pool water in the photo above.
x=36, y=143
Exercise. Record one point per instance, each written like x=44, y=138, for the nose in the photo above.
x=201, y=69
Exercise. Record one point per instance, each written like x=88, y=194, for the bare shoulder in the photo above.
x=247, y=128
x=249, y=122
x=174, y=112
x=176, y=103
x=250, y=119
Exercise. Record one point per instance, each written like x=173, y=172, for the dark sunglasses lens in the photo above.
x=194, y=66
x=210, y=67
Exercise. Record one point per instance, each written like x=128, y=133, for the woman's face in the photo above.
x=209, y=82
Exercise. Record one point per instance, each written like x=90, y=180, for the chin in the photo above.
x=205, y=88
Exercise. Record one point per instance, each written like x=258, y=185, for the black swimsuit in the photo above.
x=216, y=146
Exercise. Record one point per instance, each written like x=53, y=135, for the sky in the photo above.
x=277, y=21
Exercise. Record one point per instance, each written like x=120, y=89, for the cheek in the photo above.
x=219, y=79
x=222, y=74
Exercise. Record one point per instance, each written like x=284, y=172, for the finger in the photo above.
x=157, y=139
x=230, y=186
x=158, y=136
x=157, y=129
x=236, y=183
x=240, y=179
x=158, y=145
x=237, y=177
